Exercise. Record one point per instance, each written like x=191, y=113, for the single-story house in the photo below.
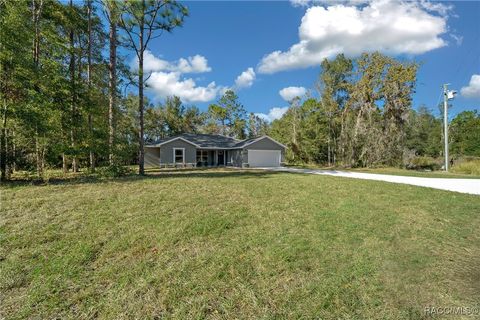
x=191, y=149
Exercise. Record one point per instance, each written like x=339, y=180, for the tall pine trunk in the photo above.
x=112, y=84
x=141, y=151
x=89, y=85
x=3, y=144
x=73, y=93
x=36, y=13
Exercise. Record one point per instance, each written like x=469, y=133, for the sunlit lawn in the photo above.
x=235, y=244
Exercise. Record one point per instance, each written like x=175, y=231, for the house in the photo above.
x=191, y=149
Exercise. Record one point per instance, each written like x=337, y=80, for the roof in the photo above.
x=203, y=140
x=211, y=141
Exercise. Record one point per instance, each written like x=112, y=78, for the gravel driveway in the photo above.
x=470, y=186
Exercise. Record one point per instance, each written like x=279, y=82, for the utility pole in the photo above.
x=445, y=124
x=447, y=95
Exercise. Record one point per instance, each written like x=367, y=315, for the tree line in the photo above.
x=69, y=100
x=63, y=85
x=364, y=117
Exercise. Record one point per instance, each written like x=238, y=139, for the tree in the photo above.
x=218, y=114
x=374, y=117
x=89, y=83
x=256, y=126
x=229, y=114
x=424, y=133
x=140, y=21
x=333, y=87
x=112, y=13
x=465, y=134
x=15, y=49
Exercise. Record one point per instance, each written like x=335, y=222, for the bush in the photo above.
x=114, y=171
x=467, y=167
x=423, y=163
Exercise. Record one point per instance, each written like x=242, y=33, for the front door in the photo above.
x=220, y=158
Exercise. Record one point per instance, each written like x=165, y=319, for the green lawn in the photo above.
x=232, y=244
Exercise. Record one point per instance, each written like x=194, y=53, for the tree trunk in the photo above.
x=36, y=13
x=3, y=145
x=89, y=84
x=64, y=163
x=141, y=153
x=37, y=155
x=14, y=152
x=73, y=98
x=112, y=82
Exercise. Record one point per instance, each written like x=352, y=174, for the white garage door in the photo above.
x=264, y=158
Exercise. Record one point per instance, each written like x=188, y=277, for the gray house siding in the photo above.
x=265, y=144
x=152, y=157
x=166, y=151
x=236, y=153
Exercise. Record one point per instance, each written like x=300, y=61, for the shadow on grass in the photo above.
x=150, y=174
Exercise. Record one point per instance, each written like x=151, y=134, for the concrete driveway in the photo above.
x=470, y=186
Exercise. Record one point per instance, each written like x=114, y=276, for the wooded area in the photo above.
x=70, y=101
x=364, y=118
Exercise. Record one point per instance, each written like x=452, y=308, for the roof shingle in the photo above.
x=205, y=140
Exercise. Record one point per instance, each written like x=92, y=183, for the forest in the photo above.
x=70, y=100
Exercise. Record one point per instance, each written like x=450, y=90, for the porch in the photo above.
x=211, y=157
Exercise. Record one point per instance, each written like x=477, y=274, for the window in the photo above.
x=179, y=155
x=202, y=157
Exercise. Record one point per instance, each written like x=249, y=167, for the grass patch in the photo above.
x=235, y=244
x=471, y=167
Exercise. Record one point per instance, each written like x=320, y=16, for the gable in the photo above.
x=177, y=141
x=264, y=143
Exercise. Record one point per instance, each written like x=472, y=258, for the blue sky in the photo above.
x=228, y=38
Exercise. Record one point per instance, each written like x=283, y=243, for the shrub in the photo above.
x=467, y=167
x=113, y=171
x=423, y=163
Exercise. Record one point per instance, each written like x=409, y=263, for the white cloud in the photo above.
x=438, y=7
x=473, y=88
x=273, y=114
x=392, y=27
x=150, y=63
x=458, y=39
x=165, y=84
x=195, y=64
x=245, y=79
x=292, y=92
x=308, y=3
x=165, y=78
x=300, y=3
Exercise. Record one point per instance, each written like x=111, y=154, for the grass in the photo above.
x=235, y=244
x=468, y=167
